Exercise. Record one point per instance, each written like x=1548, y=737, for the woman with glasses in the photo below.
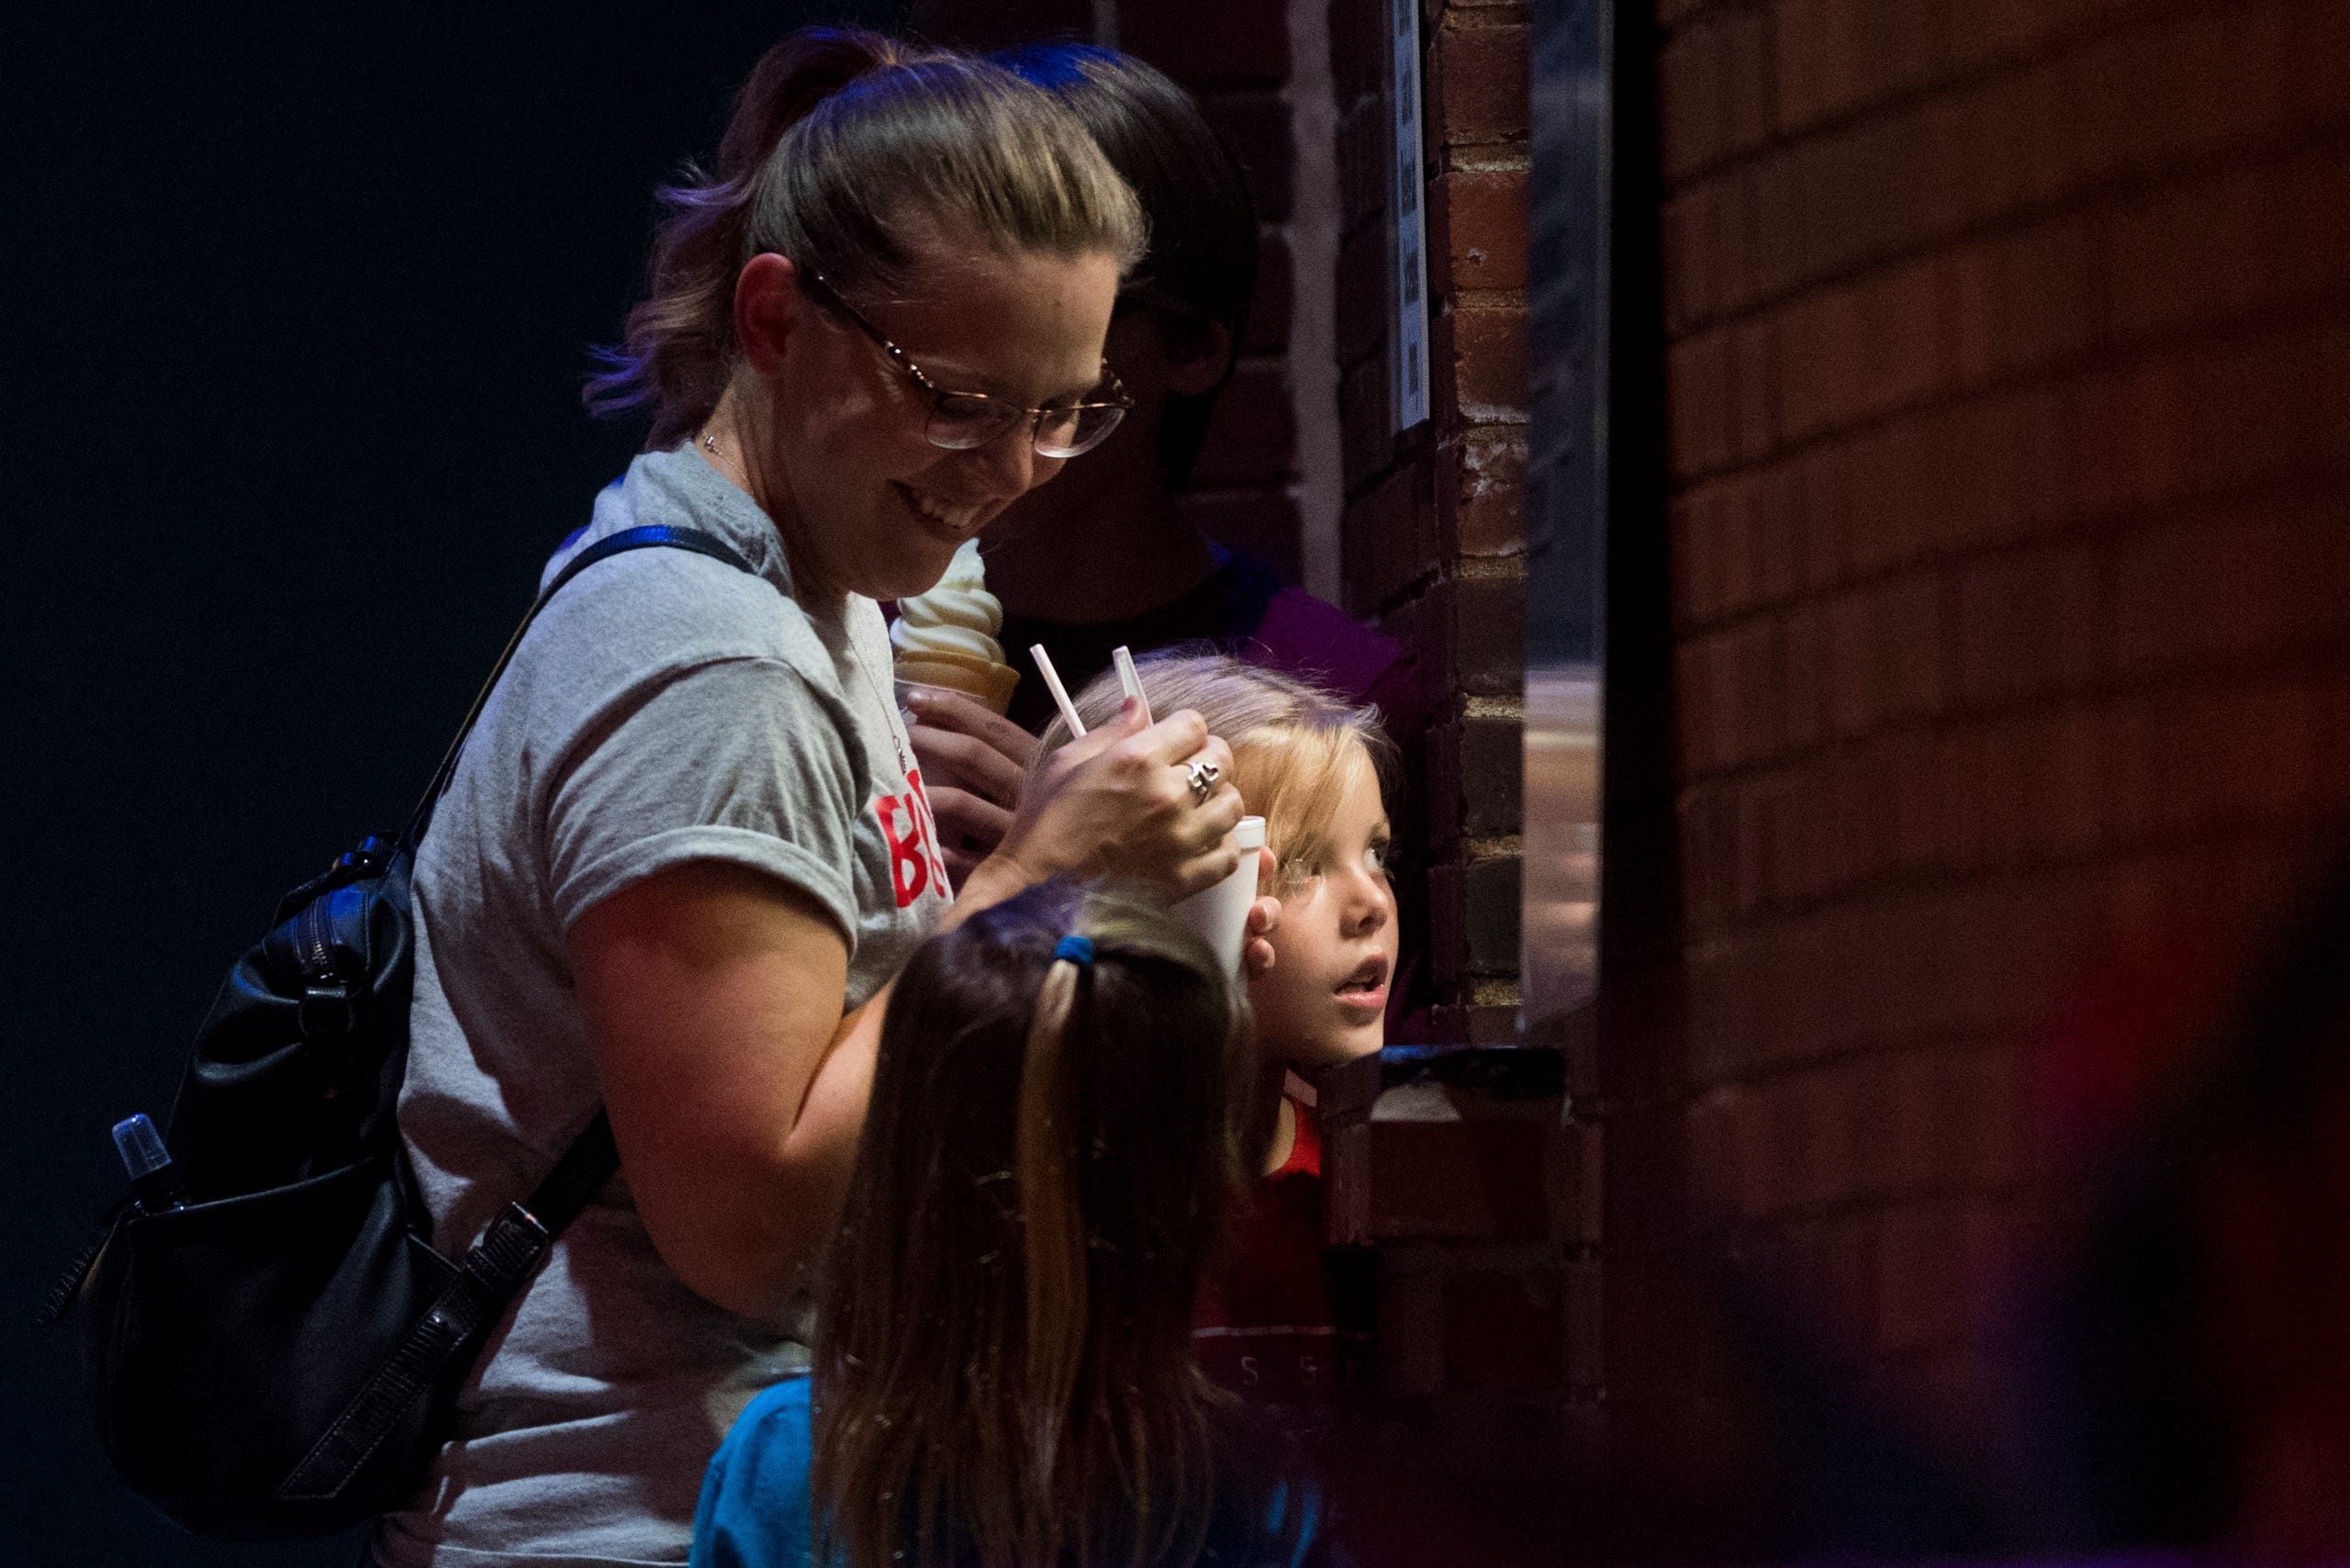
x=688, y=845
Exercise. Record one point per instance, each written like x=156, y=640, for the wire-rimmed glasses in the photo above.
x=960, y=422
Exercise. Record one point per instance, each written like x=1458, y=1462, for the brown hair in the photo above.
x=1295, y=746
x=1004, y=1369
x=1202, y=264
x=842, y=144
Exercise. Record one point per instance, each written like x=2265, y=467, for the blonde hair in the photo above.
x=843, y=145
x=1003, y=1372
x=1296, y=747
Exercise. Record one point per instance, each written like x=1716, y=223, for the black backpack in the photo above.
x=274, y=1347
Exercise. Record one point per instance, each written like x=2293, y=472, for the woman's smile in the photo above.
x=948, y=522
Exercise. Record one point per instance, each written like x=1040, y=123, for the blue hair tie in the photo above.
x=1075, y=948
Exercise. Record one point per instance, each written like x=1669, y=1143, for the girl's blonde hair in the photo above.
x=1296, y=747
x=1003, y=1372
x=845, y=145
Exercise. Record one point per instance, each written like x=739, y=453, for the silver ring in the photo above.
x=1201, y=776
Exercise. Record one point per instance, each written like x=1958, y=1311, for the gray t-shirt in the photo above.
x=666, y=707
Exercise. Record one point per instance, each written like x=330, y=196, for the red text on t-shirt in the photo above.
x=915, y=867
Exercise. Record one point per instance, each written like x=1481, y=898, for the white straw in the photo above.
x=1129, y=680
x=1061, y=693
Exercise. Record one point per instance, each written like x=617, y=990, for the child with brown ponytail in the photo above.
x=1064, y=1112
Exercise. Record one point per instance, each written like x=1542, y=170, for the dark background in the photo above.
x=298, y=303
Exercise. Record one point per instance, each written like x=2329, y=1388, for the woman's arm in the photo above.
x=711, y=994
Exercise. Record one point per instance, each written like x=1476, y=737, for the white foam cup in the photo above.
x=1220, y=913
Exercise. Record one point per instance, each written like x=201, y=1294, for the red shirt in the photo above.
x=1264, y=1327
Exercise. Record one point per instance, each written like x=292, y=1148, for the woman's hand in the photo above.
x=1118, y=803
x=973, y=761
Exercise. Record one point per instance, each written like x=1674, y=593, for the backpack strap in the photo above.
x=649, y=535
x=494, y=1269
x=472, y=1301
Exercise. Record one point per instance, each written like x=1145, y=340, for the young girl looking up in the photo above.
x=1063, y=1110
x=1310, y=764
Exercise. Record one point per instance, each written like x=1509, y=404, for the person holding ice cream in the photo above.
x=688, y=845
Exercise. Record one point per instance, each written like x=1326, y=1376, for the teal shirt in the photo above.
x=755, y=1511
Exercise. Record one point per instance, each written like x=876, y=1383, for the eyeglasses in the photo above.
x=960, y=422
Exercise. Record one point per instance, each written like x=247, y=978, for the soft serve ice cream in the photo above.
x=946, y=637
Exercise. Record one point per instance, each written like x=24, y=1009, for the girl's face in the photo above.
x=1324, y=1000
x=873, y=507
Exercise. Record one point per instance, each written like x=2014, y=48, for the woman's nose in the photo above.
x=1012, y=465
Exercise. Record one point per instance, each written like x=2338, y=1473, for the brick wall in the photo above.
x=1454, y=1164
x=1432, y=535
x=2007, y=478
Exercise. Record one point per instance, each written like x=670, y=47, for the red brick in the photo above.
x=1778, y=534
x=2239, y=586
x=1865, y=192
x=1859, y=350
x=1493, y=901
x=1256, y=126
x=1208, y=42
x=1773, y=196
x=1835, y=55
x=1482, y=1180
x=1827, y=514
x=1692, y=74
x=1481, y=494
x=1505, y=1332
x=1480, y=83
x=1488, y=362
x=1483, y=634
x=1886, y=651
x=1252, y=435
x=2028, y=624
x=2144, y=98
x=1700, y=404
x=2067, y=808
x=1747, y=109
x=1690, y=254
x=1366, y=420
x=1689, y=552
x=1731, y=546
x=1477, y=230
x=1481, y=761
x=1387, y=539
x=1754, y=355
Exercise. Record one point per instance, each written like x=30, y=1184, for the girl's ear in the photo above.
x=1198, y=362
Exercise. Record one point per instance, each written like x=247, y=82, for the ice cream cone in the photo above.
x=980, y=679
x=946, y=636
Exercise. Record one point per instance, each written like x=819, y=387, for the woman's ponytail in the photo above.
x=677, y=346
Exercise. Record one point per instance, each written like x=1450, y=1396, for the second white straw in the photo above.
x=1053, y=683
x=1129, y=680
